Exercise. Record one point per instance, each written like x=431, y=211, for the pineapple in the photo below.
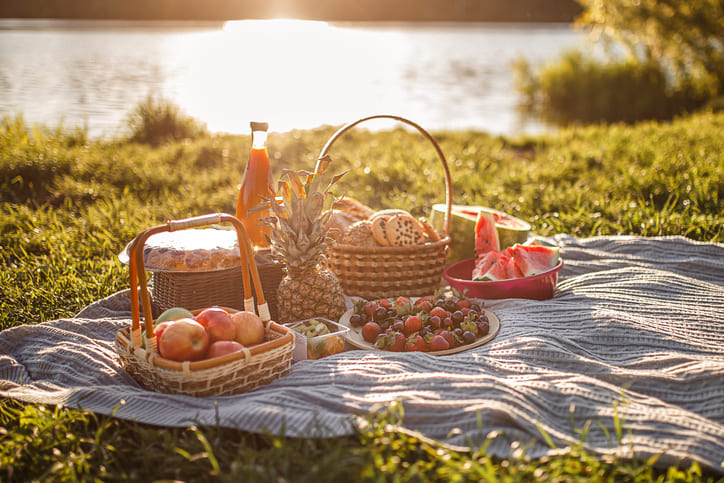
x=298, y=239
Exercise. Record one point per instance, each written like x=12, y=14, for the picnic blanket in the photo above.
x=626, y=359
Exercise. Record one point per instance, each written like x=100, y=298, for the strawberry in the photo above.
x=370, y=331
x=398, y=342
x=413, y=324
x=425, y=303
x=463, y=304
x=439, y=343
x=416, y=342
x=440, y=312
x=449, y=337
x=403, y=305
x=384, y=303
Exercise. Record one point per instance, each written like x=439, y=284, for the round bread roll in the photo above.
x=338, y=224
x=360, y=235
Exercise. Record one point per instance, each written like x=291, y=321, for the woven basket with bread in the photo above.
x=381, y=253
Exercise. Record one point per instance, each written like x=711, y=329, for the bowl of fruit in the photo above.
x=520, y=271
x=436, y=324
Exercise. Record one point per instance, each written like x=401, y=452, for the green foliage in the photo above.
x=60, y=237
x=157, y=120
x=673, y=62
x=685, y=37
x=578, y=89
x=59, y=444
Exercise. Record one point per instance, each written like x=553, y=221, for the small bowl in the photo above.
x=318, y=346
x=536, y=287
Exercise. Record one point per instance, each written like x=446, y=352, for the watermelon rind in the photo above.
x=462, y=229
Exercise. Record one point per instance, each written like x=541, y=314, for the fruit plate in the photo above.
x=354, y=336
x=536, y=287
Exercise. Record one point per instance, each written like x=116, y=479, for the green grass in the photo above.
x=68, y=205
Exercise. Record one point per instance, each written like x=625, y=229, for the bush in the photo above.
x=684, y=37
x=582, y=90
x=673, y=62
x=155, y=121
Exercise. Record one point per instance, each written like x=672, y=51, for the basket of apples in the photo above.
x=209, y=351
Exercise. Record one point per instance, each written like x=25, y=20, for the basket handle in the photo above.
x=138, y=272
x=446, y=169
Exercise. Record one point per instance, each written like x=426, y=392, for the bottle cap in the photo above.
x=259, y=126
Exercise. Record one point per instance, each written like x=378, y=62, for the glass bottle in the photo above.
x=255, y=186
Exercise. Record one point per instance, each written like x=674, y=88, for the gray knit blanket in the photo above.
x=626, y=359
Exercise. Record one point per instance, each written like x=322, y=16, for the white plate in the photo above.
x=354, y=336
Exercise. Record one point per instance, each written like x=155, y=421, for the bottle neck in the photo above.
x=258, y=139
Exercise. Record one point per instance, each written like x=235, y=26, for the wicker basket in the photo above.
x=229, y=374
x=214, y=287
x=412, y=270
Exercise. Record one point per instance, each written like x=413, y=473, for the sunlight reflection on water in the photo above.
x=296, y=74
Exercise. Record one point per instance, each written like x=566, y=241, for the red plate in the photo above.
x=536, y=287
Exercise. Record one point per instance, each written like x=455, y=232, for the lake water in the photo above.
x=295, y=74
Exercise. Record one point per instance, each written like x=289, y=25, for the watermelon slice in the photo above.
x=511, y=230
x=492, y=267
x=486, y=236
x=484, y=264
x=534, y=259
x=515, y=262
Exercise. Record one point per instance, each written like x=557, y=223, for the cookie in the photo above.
x=429, y=230
x=403, y=230
x=379, y=229
x=360, y=234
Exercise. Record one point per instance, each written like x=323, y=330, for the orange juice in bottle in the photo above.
x=255, y=186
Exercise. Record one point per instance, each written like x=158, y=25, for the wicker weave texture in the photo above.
x=243, y=375
x=373, y=272
x=195, y=290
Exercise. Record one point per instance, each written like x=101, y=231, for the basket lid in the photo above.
x=198, y=249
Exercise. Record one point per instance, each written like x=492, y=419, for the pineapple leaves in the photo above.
x=299, y=228
x=323, y=163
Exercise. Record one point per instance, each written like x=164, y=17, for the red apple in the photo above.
x=223, y=347
x=218, y=323
x=183, y=340
x=249, y=328
x=160, y=328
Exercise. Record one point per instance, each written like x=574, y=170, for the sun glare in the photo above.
x=279, y=70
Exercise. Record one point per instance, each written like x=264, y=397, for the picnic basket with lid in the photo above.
x=223, y=286
x=233, y=373
x=414, y=270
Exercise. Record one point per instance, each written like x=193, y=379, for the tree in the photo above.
x=683, y=37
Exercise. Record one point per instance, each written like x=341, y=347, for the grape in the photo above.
x=468, y=337
x=380, y=313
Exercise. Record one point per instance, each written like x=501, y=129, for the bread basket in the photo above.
x=412, y=270
x=232, y=373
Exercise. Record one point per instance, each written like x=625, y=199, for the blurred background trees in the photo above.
x=662, y=58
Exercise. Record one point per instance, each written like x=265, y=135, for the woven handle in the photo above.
x=446, y=170
x=138, y=272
